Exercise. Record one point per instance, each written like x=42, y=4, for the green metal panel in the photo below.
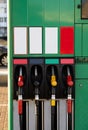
x=51, y=11
x=78, y=40
x=10, y=81
x=81, y=71
x=35, y=12
x=81, y=40
x=44, y=55
x=85, y=40
x=19, y=12
x=78, y=12
x=81, y=105
x=52, y=61
x=66, y=12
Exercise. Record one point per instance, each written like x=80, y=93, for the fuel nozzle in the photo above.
x=36, y=80
x=53, y=84
x=20, y=98
x=20, y=78
x=69, y=99
x=69, y=78
x=53, y=97
x=53, y=78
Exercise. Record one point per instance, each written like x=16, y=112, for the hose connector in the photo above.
x=53, y=102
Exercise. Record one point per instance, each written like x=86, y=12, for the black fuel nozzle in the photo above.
x=36, y=77
x=36, y=81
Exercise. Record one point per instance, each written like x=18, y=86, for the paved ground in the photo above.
x=3, y=108
x=3, y=100
x=3, y=95
x=3, y=42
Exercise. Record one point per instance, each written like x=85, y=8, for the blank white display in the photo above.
x=51, y=40
x=35, y=40
x=20, y=40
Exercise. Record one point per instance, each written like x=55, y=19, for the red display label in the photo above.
x=67, y=61
x=67, y=40
x=20, y=61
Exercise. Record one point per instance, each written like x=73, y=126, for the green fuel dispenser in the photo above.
x=48, y=42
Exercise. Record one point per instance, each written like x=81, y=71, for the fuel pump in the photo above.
x=53, y=98
x=20, y=97
x=36, y=80
x=69, y=99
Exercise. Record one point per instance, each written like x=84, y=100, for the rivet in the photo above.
x=80, y=85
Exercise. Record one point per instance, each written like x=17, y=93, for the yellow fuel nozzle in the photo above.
x=53, y=81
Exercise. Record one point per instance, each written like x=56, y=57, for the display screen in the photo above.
x=84, y=9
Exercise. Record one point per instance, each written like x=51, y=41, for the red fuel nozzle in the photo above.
x=20, y=81
x=69, y=81
x=20, y=98
x=69, y=78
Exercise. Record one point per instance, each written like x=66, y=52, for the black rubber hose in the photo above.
x=52, y=117
x=21, y=122
x=37, y=115
x=69, y=121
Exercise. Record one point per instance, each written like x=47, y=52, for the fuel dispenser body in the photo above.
x=48, y=65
